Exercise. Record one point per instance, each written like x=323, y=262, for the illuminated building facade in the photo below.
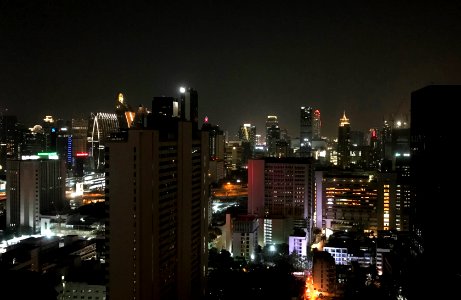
x=344, y=142
x=125, y=114
x=245, y=236
x=79, y=129
x=35, y=186
x=234, y=156
x=280, y=191
x=100, y=127
x=247, y=135
x=388, y=209
x=157, y=197
x=346, y=200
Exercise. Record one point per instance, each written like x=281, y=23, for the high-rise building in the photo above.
x=216, y=151
x=157, y=198
x=316, y=125
x=79, y=132
x=435, y=206
x=35, y=186
x=430, y=139
x=344, y=142
x=281, y=189
x=247, y=135
x=189, y=106
x=272, y=134
x=9, y=140
x=306, y=131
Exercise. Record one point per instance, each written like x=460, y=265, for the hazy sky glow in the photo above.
x=247, y=61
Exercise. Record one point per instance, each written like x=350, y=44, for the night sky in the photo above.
x=247, y=61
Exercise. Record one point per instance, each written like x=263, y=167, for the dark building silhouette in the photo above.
x=157, y=198
x=306, y=131
x=435, y=208
x=272, y=134
x=9, y=140
x=344, y=142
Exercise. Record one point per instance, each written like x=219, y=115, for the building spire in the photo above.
x=344, y=120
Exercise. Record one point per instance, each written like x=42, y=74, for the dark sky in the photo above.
x=247, y=61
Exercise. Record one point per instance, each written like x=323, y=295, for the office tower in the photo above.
x=306, y=129
x=272, y=134
x=34, y=141
x=125, y=114
x=9, y=140
x=386, y=139
x=281, y=191
x=247, y=135
x=316, y=125
x=64, y=144
x=79, y=130
x=35, y=186
x=346, y=200
x=344, y=142
x=157, y=197
x=216, y=151
x=234, y=156
x=189, y=106
x=100, y=126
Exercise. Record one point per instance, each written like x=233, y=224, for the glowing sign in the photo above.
x=81, y=154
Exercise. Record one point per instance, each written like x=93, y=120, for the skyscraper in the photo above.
x=344, y=142
x=157, y=197
x=9, y=140
x=305, y=134
x=247, y=135
x=316, y=125
x=35, y=186
x=272, y=134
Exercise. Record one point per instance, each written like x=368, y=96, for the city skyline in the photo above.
x=246, y=61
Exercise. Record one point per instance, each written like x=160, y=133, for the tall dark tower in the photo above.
x=189, y=106
x=435, y=206
x=9, y=140
x=272, y=134
x=157, y=197
x=344, y=142
x=305, y=134
x=316, y=125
